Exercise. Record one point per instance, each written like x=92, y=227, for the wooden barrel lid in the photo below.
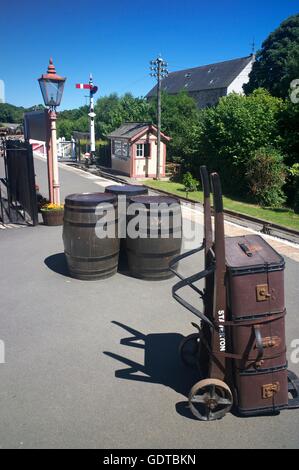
x=126, y=189
x=88, y=199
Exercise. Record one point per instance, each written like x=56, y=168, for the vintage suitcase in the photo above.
x=255, y=289
x=261, y=392
x=256, y=277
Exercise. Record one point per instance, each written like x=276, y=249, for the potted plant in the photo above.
x=52, y=214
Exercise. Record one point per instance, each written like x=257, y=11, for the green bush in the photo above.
x=266, y=176
x=296, y=203
x=231, y=131
x=292, y=187
x=190, y=183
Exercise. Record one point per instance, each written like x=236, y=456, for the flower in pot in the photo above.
x=52, y=214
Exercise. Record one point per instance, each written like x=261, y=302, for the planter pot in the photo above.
x=52, y=217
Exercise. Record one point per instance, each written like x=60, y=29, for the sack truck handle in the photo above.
x=208, y=243
x=209, y=257
x=220, y=340
x=208, y=232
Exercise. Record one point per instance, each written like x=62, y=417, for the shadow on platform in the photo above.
x=162, y=364
x=57, y=263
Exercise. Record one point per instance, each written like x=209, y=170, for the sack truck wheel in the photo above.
x=210, y=399
x=189, y=350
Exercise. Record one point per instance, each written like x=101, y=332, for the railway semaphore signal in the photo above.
x=92, y=90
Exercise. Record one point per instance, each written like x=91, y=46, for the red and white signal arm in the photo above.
x=86, y=86
x=83, y=86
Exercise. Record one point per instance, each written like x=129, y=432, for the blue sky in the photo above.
x=115, y=40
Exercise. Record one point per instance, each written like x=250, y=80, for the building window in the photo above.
x=120, y=148
x=140, y=150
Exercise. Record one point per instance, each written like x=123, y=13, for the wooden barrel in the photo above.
x=88, y=256
x=127, y=190
x=150, y=253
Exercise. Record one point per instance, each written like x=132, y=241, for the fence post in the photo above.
x=32, y=187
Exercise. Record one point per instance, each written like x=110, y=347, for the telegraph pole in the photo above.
x=158, y=70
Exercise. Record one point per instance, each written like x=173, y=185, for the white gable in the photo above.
x=237, y=85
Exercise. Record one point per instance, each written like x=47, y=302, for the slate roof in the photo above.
x=128, y=130
x=206, y=77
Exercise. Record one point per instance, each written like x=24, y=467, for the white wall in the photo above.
x=148, y=166
x=237, y=85
x=120, y=163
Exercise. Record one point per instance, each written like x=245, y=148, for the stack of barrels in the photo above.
x=141, y=238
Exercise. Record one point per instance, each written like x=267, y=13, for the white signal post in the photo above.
x=92, y=90
x=91, y=115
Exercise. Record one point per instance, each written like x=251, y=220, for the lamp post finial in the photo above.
x=51, y=67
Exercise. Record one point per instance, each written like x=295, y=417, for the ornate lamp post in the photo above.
x=52, y=86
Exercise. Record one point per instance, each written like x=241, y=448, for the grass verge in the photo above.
x=281, y=216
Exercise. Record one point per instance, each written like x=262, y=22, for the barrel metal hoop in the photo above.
x=152, y=255
x=92, y=259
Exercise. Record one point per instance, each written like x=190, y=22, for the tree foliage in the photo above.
x=179, y=117
x=289, y=131
x=179, y=121
x=266, y=174
x=111, y=111
x=231, y=131
x=14, y=114
x=277, y=63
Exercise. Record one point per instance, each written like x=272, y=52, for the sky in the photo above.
x=116, y=39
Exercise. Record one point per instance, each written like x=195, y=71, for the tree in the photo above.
x=231, y=131
x=277, y=63
x=111, y=111
x=289, y=131
x=179, y=121
x=266, y=176
x=14, y=114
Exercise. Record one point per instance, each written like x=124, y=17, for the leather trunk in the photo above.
x=255, y=278
x=255, y=288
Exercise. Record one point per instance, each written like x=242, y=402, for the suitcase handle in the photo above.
x=246, y=249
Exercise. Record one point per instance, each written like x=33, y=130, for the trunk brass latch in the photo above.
x=262, y=292
x=270, y=389
x=271, y=342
